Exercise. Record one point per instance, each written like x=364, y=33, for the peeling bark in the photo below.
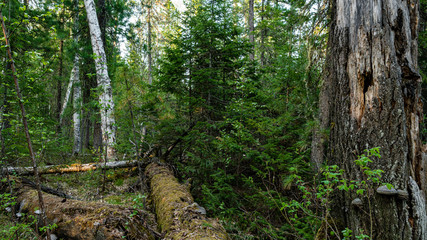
x=104, y=82
x=77, y=102
x=178, y=216
x=51, y=169
x=373, y=72
x=68, y=92
x=77, y=105
x=80, y=220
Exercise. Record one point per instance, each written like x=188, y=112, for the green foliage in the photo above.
x=333, y=178
x=246, y=127
x=12, y=230
x=22, y=230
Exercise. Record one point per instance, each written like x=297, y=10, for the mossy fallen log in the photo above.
x=77, y=167
x=81, y=220
x=178, y=216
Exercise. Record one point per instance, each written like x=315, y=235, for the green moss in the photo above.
x=113, y=199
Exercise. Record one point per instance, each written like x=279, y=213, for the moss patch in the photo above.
x=173, y=202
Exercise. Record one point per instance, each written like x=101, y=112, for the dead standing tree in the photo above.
x=371, y=98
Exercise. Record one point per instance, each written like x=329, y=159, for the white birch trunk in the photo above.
x=68, y=93
x=77, y=103
x=104, y=82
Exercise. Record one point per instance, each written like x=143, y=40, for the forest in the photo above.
x=213, y=119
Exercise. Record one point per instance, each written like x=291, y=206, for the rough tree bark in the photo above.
x=104, y=82
x=372, y=69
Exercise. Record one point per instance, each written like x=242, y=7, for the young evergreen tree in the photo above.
x=205, y=59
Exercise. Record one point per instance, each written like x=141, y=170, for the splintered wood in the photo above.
x=77, y=167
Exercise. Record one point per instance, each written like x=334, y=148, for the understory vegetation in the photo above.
x=233, y=118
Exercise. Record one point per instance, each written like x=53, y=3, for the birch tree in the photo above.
x=372, y=98
x=74, y=86
x=77, y=89
x=104, y=82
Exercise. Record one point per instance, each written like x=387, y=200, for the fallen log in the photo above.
x=80, y=220
x=178, y=216
x=77, y=167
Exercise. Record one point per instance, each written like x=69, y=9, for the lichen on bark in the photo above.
x=372, y=71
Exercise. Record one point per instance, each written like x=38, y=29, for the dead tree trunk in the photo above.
x=104, y=82
x=82, y=220
x=178, y=216
x=51, y=169
x=372, y=70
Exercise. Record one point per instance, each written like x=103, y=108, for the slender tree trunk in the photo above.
x=77, y=105
x=87, y=112
x=150, y=60
x=69, y=88
x=77, y=102
x=97, y=132
x=60, y=77
x=59, y=86
x=372, y=70
x=27, y=134
x=106, y=95
x=86, y=129
x=263, y=34
x=86, y=123
x=251, y=28
x=132, y=120
x=5, y=108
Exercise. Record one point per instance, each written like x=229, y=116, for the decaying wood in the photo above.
x=374, y=100
x=178, y=216
x=85, y=220
x=50, y=169
x=47, y=189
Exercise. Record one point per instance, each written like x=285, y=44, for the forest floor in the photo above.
x=115, y=186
